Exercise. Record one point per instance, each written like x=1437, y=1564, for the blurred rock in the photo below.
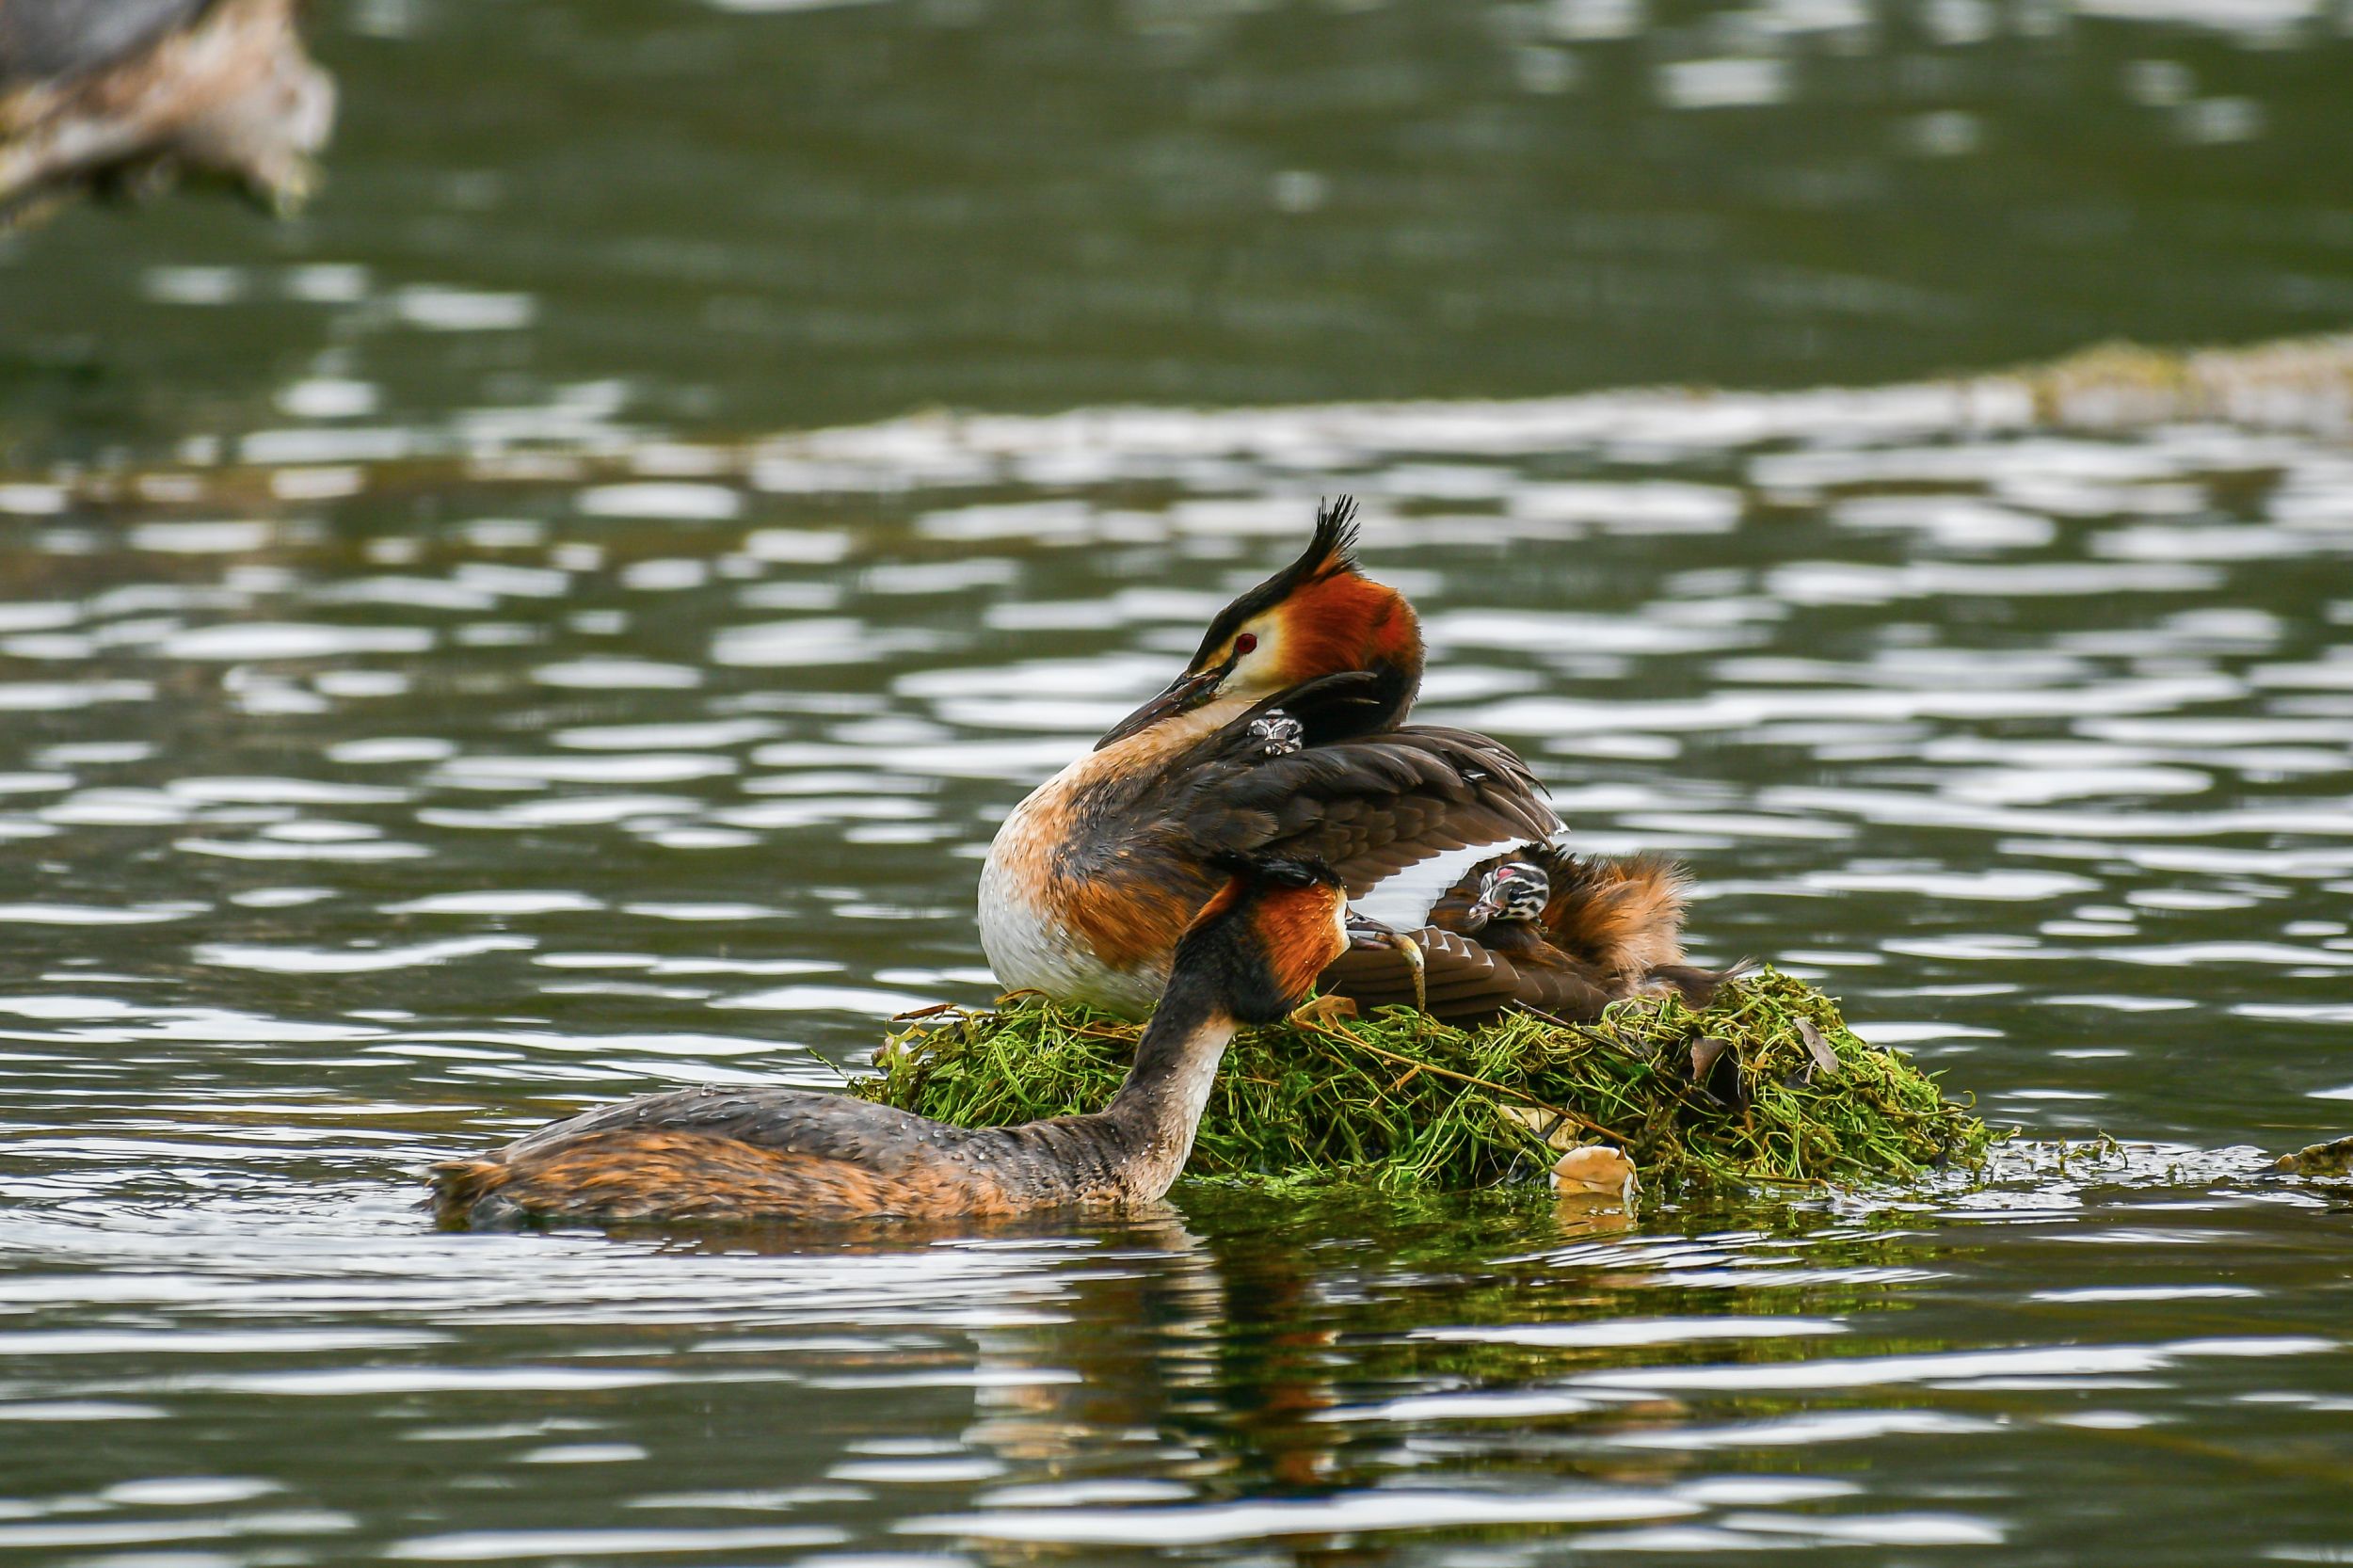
x=121, y=97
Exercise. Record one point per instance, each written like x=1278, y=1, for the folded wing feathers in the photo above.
x=1463, y=980
x=771, y=1119
x=1369, y=808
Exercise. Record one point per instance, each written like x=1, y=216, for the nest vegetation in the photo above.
x=1765, y=1086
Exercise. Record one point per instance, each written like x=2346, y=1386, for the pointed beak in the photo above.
x=1184, y=693
x=1480, y=913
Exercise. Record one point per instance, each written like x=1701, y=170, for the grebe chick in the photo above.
x=707, y=1155
x=1515, y=891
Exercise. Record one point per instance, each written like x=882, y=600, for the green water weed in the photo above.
x=1767, y=1087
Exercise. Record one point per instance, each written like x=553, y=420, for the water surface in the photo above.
x=348, y=839
x=516, y=638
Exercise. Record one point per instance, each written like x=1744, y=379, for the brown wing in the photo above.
x=1465, y=982
x=1367, y=807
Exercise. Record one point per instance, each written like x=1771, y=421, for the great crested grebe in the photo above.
x=1248, y=955
x=122, y=94
x=1286, y=734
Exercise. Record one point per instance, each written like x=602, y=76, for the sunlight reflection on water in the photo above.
x=346, y=871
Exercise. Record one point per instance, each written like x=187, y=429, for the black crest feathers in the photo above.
x=1331, y=551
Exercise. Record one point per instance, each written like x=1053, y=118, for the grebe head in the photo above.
x=1516, y=890
x=1256, y=948
x=1318, y=615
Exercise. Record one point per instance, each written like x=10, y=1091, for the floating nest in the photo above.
x=1768, y=1086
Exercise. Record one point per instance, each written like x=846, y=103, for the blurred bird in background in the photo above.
x=120, y=97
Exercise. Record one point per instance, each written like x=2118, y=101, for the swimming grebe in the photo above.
x=1540, y=927
x=1284, y=735
x=704, y=1155
x=122, y=94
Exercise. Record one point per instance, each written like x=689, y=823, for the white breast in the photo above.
x=1030, y=945
x=1030, y=949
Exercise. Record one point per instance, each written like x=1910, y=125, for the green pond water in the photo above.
x=564, y=618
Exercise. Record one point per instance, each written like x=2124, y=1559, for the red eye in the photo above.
x=1245, y=643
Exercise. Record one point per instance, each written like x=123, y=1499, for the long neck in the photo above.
x=1157, y=1109
x=1132, y=1150
x=1136, y=759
